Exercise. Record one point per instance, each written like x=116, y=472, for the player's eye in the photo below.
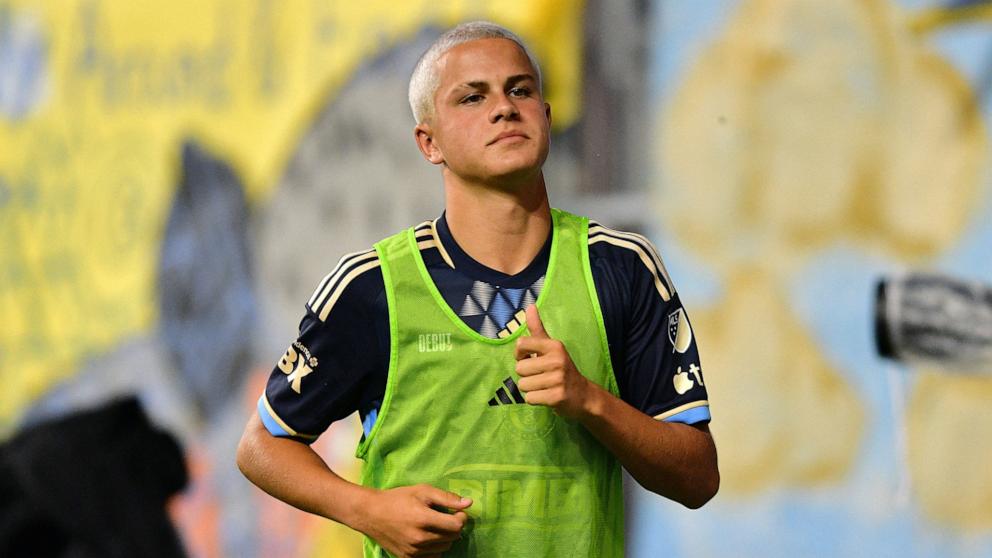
x=520, y=91
x=472, y=98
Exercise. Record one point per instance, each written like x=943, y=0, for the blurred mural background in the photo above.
x=175, y=177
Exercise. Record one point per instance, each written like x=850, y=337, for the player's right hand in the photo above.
x=406, y=521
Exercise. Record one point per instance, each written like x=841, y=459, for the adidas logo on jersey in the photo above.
x=508, y=394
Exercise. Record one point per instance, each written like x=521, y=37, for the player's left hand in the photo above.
x=547, y=374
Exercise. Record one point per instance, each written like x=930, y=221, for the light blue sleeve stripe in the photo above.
x=691, y=416
x=270, y=423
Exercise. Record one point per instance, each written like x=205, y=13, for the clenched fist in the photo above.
x=419, y=520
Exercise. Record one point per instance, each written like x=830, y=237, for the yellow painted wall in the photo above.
x=87, y=175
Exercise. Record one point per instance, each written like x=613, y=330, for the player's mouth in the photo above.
x=509, y=136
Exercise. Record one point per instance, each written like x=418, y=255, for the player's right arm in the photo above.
x=403, y=520
x=338, y=365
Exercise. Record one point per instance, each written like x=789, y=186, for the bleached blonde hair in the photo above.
x=425, y=79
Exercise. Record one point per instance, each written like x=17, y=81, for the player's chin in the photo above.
x=516, y=166
x=516, y=176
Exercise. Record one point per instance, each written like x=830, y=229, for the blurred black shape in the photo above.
x=934, y=319
x=883, y=331
x=90, y=484
x=205, y=287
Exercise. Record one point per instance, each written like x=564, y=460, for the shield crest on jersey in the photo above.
x=673, y=325
x=679, y=331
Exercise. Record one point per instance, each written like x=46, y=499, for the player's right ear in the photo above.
x=425, y=141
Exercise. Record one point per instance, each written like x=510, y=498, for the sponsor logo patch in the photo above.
x=683, y=382
x=297, y=363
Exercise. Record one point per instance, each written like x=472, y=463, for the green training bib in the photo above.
x=452, y=416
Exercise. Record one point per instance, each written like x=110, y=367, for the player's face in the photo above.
x=490, y=124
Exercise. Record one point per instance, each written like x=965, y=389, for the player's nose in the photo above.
x=503, y=109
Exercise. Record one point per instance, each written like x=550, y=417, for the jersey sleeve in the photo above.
x=337, y=364
x=652, y=344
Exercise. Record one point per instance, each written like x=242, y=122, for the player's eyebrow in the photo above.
x=481, y=85
x=513, y=80
x=476, y=85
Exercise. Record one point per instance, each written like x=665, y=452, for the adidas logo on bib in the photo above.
x=508, y=394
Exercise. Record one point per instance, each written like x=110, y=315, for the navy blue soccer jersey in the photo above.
x=340, y=359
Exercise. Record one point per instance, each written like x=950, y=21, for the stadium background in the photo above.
x=175, y=177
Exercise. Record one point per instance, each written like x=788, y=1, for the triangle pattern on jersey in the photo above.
x=513, y=296
x=489, y=328
x=501, y=309
x=483, y=293
x=470, y=307
x=529, y=298
x=537, y=286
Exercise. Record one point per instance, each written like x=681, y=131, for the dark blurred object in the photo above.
x=935, y=319
x=204, y=281
x=91, y=484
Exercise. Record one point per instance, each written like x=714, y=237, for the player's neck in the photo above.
x=501, y=229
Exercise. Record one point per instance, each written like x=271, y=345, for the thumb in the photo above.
x=436, y=496
x=534, y=322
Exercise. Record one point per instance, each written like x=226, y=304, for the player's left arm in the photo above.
x=675, y=460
